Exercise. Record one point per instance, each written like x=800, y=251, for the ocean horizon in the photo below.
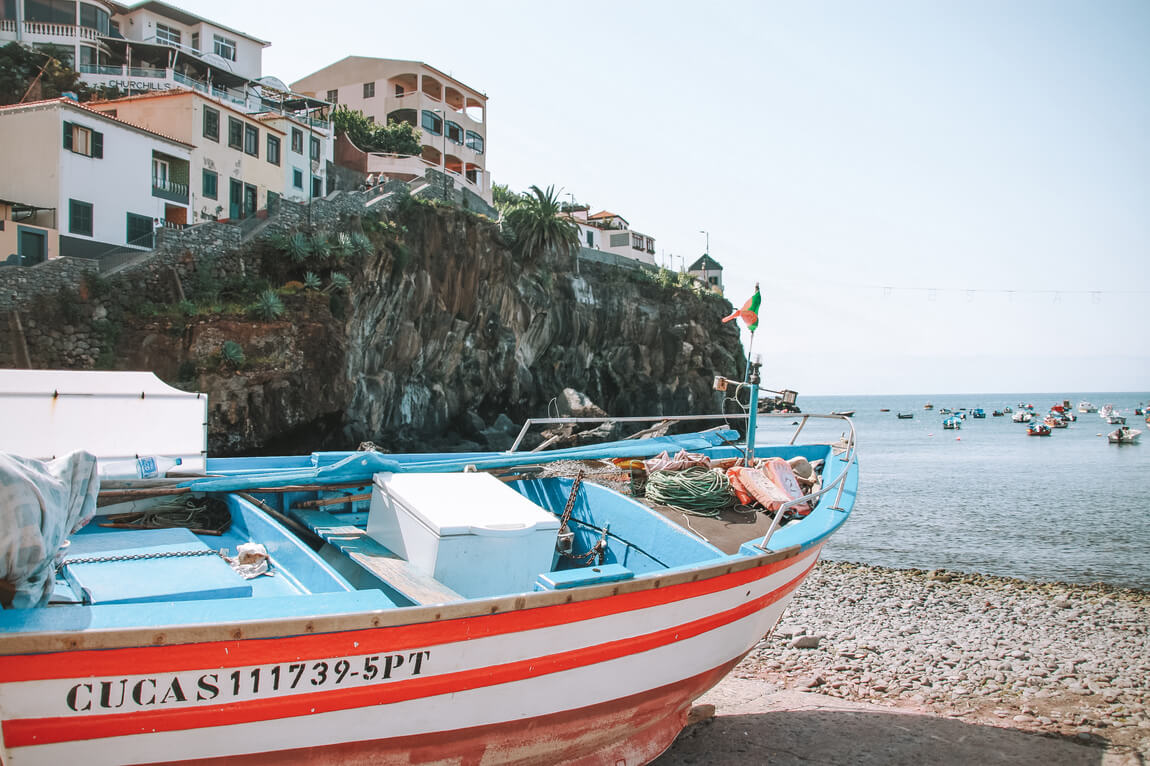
x=988, y=498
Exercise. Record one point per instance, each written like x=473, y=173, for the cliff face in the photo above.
x=441, y=338
x=465, y=333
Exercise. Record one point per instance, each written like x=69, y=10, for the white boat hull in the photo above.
x=602, y=676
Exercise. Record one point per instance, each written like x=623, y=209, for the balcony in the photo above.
x=46, y=32
x=407, y=167
x=151, y=78
x=169, y=190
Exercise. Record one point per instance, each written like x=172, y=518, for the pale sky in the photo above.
x=935, y=196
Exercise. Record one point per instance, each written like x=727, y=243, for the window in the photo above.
x=432, y=123
x=475, y=141
x=297, y=140
x=316, y=186
x=211, y=184
x=273, y=149
x=369, y=90
x=51, y=11
x=196, y=41
x=224, y=47
x=161, y=171
x=314, y=149
x=95, y=18
x=454, y=133
x=166, y=34
x=252, y=140
x=211, y=123
x=297, y=178
x=333, y=96
x=637, y=241
x=235, y=133
x=80, y=217
x=140, y=231
x=85, y=141
x=89, y=57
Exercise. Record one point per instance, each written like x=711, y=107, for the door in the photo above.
x=235, y=199
x=32, y=247
x=249, y=200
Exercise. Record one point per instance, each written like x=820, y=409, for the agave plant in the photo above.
x=299, y=248
x=320, y=246
x=232, y=354
x=268, y=305
x=345, y=246
x=339, y=281
x=361, y=243
x=312, y=281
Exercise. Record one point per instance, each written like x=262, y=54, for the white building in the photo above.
x=150, y=46
x=612, y=233
x=110, y=183
x=451, y=116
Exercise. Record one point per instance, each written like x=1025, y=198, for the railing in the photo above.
x=838, y=484
x=137, y=71
x=111, y=71
x=169, y=190
x=49, y=29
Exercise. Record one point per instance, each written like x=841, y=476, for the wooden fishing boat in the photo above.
x=510, y=616
x=954, y=422
x=1038, y=429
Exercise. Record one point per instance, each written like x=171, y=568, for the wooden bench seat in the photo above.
x=354, y=544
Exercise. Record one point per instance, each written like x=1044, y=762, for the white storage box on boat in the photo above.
x=470, y=531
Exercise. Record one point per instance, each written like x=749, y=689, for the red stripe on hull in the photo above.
x=242, y=652
x=632, y=730
x=37, y=731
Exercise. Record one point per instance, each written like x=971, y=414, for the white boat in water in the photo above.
x=1106, y=411
x=1123, y=435
x=1086, y=407
x=1021, y=416
x=422, y=608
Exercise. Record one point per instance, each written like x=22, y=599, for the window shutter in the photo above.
x=97, y=144
x=68, y=136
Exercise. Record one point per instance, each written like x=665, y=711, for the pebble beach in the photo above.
x=1065, y=660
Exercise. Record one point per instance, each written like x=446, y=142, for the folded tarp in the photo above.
x=41, y=504
x=361, y=466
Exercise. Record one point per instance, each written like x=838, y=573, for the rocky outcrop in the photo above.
x=443, y=338
x=465, y=333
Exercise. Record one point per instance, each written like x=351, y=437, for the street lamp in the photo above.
x=706, y=255
x=443, y=157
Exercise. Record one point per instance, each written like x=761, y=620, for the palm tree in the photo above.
x=539, y=227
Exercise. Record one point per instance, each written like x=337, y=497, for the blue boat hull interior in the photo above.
x=323, y=561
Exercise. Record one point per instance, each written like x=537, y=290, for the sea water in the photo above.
x=988, y=498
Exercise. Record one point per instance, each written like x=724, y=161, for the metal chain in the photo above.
x=137, y=557
x=571, y=501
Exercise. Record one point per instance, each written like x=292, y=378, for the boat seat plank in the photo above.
x=354, y=543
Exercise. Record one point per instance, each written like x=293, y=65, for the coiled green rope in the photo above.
x=697, y=491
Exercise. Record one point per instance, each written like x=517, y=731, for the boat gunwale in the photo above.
x=50, y=641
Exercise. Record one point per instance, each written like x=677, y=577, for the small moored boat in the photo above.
x=905, y=415
x=1123, y=435
x=954, y=422
x=1038, y=429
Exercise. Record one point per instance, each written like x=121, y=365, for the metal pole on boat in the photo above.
x=753, y=412
x=747, y=366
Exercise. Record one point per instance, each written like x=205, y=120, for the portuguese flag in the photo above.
x=749, y=313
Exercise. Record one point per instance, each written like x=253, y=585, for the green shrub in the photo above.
x=312, y=281
x=268, y=306
x=187, y=308
x=298, y=247
x=339, y=281
x=231, y=355
x=321, y=246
